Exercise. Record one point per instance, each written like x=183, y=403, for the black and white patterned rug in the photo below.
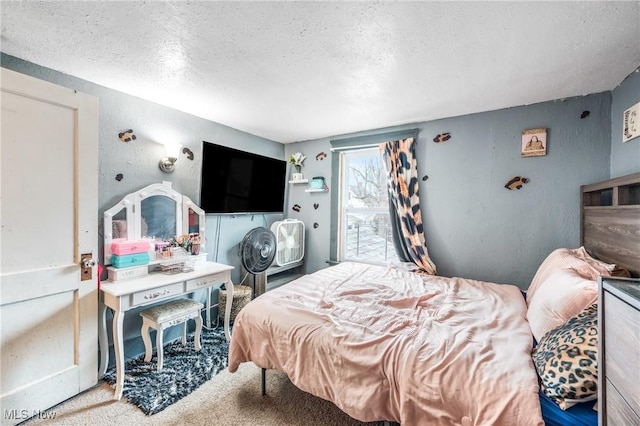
x=183, y=371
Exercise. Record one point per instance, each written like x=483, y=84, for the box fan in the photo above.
x=290, y=241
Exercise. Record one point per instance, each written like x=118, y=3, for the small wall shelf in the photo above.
x=295, y=182
x=317, y=185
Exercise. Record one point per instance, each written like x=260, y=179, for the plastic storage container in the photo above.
x=122, y=246
x=129, y=260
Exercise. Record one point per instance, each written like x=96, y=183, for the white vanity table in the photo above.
x=122, y=296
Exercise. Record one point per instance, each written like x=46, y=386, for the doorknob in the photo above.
x=86, y=266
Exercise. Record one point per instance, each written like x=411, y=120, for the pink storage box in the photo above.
x=122, y=246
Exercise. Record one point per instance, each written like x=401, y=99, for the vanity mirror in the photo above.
x=155, y=212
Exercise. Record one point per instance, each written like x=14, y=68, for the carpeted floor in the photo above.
x=224, y=400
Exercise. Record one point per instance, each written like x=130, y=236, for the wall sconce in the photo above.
x=167, y=163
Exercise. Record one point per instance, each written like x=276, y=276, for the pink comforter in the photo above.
x=386, y=344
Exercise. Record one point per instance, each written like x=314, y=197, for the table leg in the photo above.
x=102, y=339
x=227, y=311
x=207, y=312
x=118, y=349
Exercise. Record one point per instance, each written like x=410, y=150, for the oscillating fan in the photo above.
x=257, y=251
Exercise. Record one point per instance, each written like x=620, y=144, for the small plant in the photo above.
x=296, y=160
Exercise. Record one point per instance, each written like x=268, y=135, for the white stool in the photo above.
x=164, y=316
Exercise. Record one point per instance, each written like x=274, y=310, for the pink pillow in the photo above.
x=563, y=258
x=561, y=296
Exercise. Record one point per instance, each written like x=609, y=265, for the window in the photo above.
x=360, y=226
x=364, y=230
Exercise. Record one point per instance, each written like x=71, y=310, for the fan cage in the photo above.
x=257, y=250
x=290, y=241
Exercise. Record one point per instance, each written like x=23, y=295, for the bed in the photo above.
x=384, y=343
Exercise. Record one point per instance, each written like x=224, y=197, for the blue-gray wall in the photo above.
x=625, y=157
x=475, y=227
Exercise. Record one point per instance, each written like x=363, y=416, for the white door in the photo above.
x=48, y=314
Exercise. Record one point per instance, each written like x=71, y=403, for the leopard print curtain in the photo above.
x=400, y=164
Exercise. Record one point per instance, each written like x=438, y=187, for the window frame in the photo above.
x=344, y=210
x=352, y=144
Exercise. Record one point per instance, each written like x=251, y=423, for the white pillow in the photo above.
x=562, y=295
x=564, y=258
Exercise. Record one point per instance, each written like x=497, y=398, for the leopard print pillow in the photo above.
x=567, y=359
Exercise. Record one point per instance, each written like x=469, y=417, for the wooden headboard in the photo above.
x=610, y=221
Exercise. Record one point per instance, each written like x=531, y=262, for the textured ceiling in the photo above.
x=293, y=71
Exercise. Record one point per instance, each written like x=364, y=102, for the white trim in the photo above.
x=356, y=147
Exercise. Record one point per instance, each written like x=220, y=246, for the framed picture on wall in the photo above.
x=534, y=142
x=631, y=123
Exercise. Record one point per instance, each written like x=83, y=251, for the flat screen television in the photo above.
x=234, y=181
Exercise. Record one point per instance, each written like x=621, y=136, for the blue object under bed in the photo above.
x=581, y=414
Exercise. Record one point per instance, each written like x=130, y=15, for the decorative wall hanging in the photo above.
x=119, y=177
x=316, y=205
x=296, y=208
x=425, y=177
x=320, y=156
x=585, y=114
x=631, y=123
x=516, y=182
x=315, y=225
x=127, y=136
x=188, y=153
x=442, y=137
x=534, y=142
